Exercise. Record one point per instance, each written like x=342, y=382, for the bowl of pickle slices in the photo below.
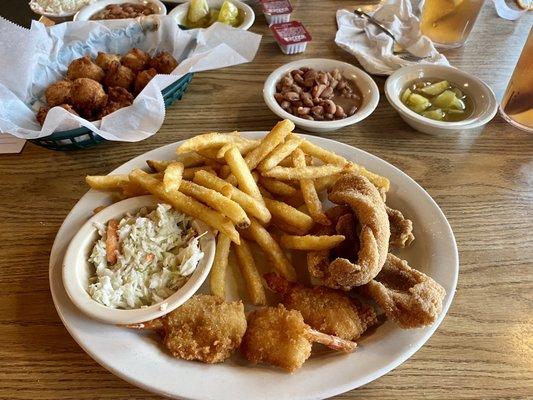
x=204, y=13
x=438, y=99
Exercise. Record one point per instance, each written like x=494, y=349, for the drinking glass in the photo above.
x=449, y=22
x=517, y=103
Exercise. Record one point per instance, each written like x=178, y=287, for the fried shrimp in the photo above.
x=205, y=328
x=326, y=310
x=407, y=296
x=84, y=68
x=280, y=337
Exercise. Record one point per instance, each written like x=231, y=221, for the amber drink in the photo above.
x=449, y=22
x=517, y=102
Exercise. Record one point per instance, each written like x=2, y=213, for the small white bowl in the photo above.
x=77, y=269
x=180, y=12
x=485, y=104
x=88, y=11
x=364, y=82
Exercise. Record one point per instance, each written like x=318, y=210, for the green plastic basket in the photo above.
x=82, y=138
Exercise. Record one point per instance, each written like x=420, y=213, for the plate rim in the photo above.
x=327, y=391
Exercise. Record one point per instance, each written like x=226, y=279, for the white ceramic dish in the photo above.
x=485, y=104
x=37, y=9
x=87, y=12
x=77, y=269
x=139, y=359
x=180, y=12
x=364, y=82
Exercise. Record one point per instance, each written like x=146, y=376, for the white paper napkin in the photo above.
x=30, y=60
x=374, y=49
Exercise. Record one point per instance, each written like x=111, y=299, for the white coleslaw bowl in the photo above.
x=485, y=103
x=365, y=84
x=77, y=269
x=88, y=11
x=180, y=12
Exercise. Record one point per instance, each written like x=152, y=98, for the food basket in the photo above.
x=82, y=138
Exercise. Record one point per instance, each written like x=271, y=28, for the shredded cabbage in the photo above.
x=158, y=251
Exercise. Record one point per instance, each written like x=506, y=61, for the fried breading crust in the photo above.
x=276, y=336
x=326, y=310
x=407, y=296
x=368, y=207
x=401, y=229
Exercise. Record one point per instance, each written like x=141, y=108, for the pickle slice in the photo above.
x=458, y=104
x=436, y=88
x=228, y=13
x=437, y=114
x=417, y=103
x=405, y=95
x=198, y=9
x=445, y=100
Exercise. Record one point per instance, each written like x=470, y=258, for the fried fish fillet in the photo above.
x=364, y=199
x=407, y=296
x=280, y=337
x=205, y=328
x=326, y=310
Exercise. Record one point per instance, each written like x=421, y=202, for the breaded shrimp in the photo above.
x=326, y=310
x=280, y=337
x=205, y=328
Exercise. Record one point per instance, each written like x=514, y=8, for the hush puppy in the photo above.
x=84, y=68
x=119, y=75
x=117, y=98
x=142, y=79
x=163, y=62
x=58, y=93
x=104, y=59
x=43, y=112
x=135, y=59
x=88, y=95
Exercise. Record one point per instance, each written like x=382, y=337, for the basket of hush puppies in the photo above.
x=95, y=88
x=77, y=84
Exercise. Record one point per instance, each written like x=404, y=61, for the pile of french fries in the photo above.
x=265, y=191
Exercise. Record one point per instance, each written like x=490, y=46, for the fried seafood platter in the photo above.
x=312, y=255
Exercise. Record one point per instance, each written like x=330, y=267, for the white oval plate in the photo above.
x=140, y=360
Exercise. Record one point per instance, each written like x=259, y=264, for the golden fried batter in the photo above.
x=135, y=59
x=104, y=59
x=401, y=229
x=205, y=328
x=43, y=112
x=163, y=62
x=326, y=310
x=88, y=95
x=118, y=75
x=368, y=207
x=407, y=296
x=84, y=68
x=58, y=93
x=276, y=336
x=117, y=98
x=142, y=79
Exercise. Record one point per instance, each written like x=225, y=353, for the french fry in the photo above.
x=191, y=159
x=269, y=143
x=188, y=173
x=210, y=153
x=185, y=204
x=308, y=172
x=244, y=147
x=287, y=161
x=241, y=173
x=107, y=182
x=249, y=272
x=217, y=276
x=277, y=187
x=311, y=242
x=208, y=140
x=225, y=171
x=217, y=201
x=300, y=222
x=172, y=177
x=377, y=180
x=111, y=241
x=213, y=182
x=133, y=190
x=272, y=249
x=277, y=155
x=251, y=205
x=309, y=193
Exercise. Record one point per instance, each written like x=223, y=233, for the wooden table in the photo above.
x=482, y=182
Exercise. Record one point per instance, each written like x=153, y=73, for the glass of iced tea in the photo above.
x=449, y=22
x=517, y=103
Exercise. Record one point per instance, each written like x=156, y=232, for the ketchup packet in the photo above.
x=292, y=36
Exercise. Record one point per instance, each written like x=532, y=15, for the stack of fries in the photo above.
x=266, y=191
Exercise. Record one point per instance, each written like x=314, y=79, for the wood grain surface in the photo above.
x=483, y=182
